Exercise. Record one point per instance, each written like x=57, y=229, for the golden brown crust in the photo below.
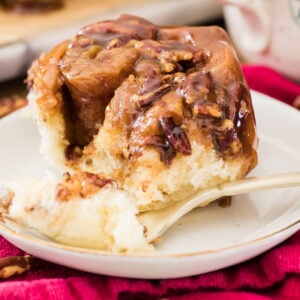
x=44, y=78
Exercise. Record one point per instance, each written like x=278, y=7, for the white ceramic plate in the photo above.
x=15, y=58
x=207, y=239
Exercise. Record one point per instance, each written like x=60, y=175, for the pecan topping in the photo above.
x=174, y=139
x=148, y=81
x=172, y=55
x=175, y=135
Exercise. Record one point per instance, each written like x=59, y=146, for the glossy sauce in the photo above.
x=165, y=80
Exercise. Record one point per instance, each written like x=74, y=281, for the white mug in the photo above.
x=266, y=32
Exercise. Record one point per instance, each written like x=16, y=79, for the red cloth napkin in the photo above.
x=265, y=80
x=272, y=275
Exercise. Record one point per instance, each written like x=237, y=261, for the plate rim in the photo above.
x=79, y=250
x=273, y=238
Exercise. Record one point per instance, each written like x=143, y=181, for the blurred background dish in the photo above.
x=30, y=6
x=266, y=32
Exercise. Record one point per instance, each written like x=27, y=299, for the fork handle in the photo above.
x=254, y=184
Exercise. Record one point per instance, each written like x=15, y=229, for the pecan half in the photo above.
x=142, y=101
x=152, y=82
x=175, y=135
x=15, y=265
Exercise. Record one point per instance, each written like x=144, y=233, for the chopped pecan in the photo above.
x=174, y=140
x=227, y=139
x=201, y=57
x=175, y=135
x=15, y=265
x=167, y=152
x=149, y=48
x=142, y=101
x=168, y=66
x=202, y=108
x=176, y=51
x=92, y=51
x=176, y=57
x=172, y=55
x=197, y=86
x=152, y=82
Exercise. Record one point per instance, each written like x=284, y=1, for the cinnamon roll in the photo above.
x=162, y=111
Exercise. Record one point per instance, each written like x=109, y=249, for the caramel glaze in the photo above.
x=158, y=86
